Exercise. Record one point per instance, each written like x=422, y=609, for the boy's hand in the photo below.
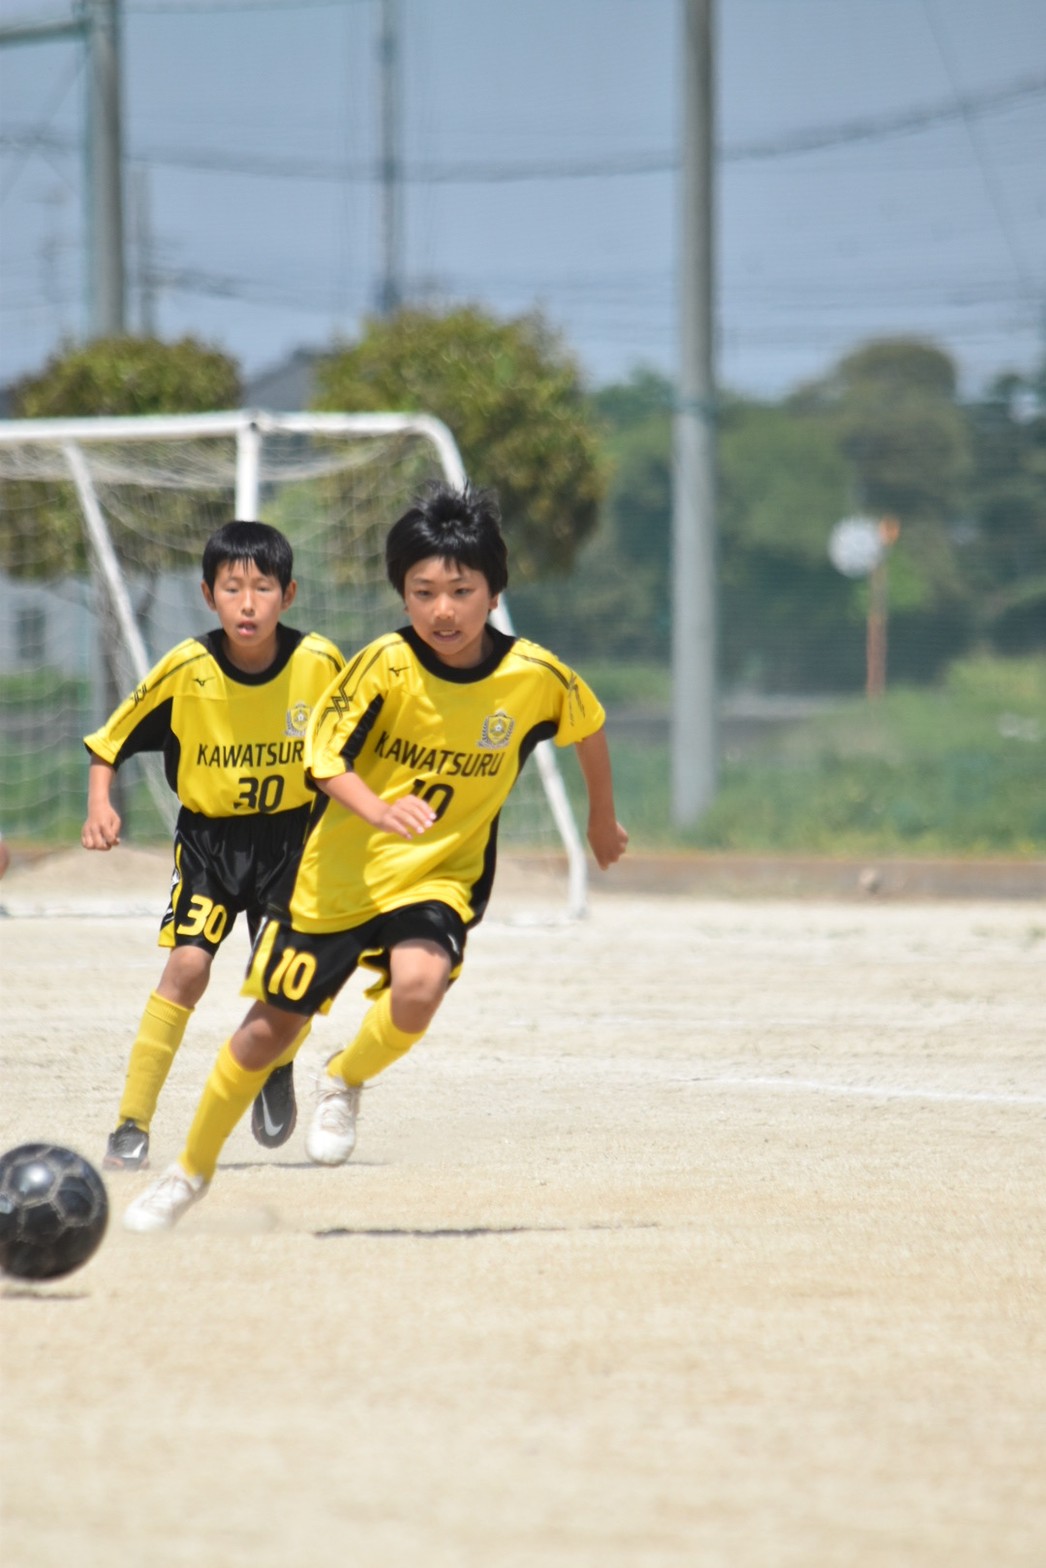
x=608, y=840
x=101, y=830
x=605, y=833
x=407, y=817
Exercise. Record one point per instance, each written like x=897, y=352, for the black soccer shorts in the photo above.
x=303, y=971
x=225, y=866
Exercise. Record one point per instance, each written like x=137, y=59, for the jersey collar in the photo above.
x=287, y=639
x=431, y=661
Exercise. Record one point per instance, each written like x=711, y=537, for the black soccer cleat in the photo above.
x=275, y=1111
x=128, y=1149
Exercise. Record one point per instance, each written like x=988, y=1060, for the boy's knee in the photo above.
x=420, y=976
x=264, y=1034
x=186, y=975
x=414, y=1003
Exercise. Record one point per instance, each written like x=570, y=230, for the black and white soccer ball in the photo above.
x=53, y=1211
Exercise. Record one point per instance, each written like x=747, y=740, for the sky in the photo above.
x=880, y=172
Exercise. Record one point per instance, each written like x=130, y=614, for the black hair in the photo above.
x=462, y=526
x=268, y=549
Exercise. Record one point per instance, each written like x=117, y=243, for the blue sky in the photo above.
x=882, y=171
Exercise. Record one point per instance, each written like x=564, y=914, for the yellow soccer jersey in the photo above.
x=233, y=743
x=409, y=724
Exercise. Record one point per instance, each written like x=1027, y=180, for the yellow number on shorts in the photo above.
x=293, y=974
x=204, y=916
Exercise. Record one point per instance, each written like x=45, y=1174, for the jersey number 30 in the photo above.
x=260, y=794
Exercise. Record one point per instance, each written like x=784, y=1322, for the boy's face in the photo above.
x=448, y=605
x=249, y=605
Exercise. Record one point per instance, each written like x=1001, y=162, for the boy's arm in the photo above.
x=408, y=817
x=102, y=828
x=605, y=833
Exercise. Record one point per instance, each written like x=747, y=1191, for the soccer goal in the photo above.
x=102, y=526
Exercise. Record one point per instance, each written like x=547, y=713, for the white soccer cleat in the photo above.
x=164, y=1201
x=331, y=1137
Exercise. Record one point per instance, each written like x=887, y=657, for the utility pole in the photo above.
x=695, y=697
x=145, y=261
x=390, y=293
x=106, y=290
x=97, y=22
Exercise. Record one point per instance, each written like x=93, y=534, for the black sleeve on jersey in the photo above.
x=544, y=731
x=154, y=733
x=354, y=745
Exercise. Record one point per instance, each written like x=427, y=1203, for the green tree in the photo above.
x=514, y=402
x=1007, y=514
x=903, y=430
x=130, y=376
x=782, y=483
x=787, y=620
x=41, y=529
x=895, y=409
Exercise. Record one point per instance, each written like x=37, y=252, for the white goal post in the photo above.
x=102, y=525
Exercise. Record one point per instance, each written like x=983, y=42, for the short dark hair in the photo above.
x=266, y=547
x=462, y=526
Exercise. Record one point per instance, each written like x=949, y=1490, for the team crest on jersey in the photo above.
x=497, y=731
x=297, y=719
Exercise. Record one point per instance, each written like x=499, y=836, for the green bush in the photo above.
x=957, y=770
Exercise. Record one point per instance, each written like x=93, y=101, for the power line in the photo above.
x=471, y=172
x=991, y=183
x=49, y=113
x=879, y=127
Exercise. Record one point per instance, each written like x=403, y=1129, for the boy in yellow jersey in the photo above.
x=414, y=749
x=228, y=711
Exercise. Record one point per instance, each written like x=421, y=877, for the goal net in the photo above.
x=102, y=527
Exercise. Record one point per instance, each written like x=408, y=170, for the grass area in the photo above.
x=956, y=770
x=45, y=798
x=629, y=685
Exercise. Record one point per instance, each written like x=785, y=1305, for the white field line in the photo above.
x=637, y=1072
x=869, y=1091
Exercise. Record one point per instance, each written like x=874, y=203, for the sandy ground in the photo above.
x=701, y=1232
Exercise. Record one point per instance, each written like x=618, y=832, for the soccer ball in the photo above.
x=53, y=1211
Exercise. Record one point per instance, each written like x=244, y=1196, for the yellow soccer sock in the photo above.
x=378, y=1044
x=228, y=1092
x=159, y=1036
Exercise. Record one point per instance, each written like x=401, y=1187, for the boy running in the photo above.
x=414, y=749
x=228, y=711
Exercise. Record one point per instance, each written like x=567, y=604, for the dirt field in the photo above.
x=703, y=1232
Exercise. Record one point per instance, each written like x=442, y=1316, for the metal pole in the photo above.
x=390, y=292
x=143, y=248
x=695, y=748
x=248, y=471
x=105, y=260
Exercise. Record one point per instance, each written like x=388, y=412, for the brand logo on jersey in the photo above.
x=497, y=731
x=201, y=680
x=297, y=718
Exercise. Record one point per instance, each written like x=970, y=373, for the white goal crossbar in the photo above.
x=55, y=449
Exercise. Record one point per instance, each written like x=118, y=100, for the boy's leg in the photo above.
x=242, y=1065
x=378, y=1043
x=419, y=972
x=274, y=1114
x=160, y=1033
x=241, y=1068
